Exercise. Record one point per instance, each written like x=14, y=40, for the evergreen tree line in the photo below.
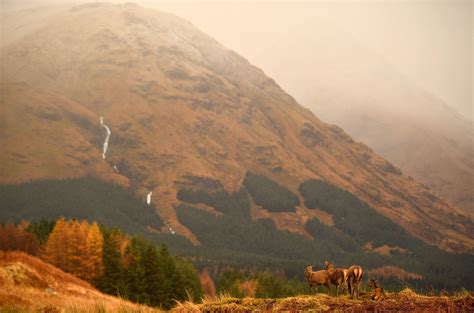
x=134, y=268
x=241, y=284
x=235, y=239
x=130, y=267
x=80, y=198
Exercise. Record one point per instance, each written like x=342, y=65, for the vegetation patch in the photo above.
x=354, y=217
x=404, y=301
x=393, y=271
x=82, y=198
x=223, y=201
x=269, y=194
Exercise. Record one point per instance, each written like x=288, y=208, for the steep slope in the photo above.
x=350, y=86
x=185, y=113
x=28, y=284
x=45, y=135
x=440, y=157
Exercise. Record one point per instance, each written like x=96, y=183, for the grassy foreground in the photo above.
x=27, y=284
x=404, y=301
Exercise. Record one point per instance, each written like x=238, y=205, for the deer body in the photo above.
x=338, y=276
x=317, y=278
x=378, y=293
x=354, y=277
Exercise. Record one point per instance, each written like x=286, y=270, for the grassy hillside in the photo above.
x=27, y=284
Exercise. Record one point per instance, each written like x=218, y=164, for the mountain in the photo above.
x=211, y=136
x=27, y=282
x=347, y=84
x=439, y=157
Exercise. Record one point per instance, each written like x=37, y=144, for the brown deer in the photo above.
x=378, y=293
x=354, y=277
x=338, y=276
x=317, y=278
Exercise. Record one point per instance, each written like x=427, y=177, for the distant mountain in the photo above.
x=344, y=83
x=194, y=123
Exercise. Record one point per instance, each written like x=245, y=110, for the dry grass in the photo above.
x=27, y=284
x=404, y=301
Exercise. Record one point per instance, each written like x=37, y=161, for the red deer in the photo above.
x=378, y=293
x=317, y=278
x=338, y=276
x=354, y=277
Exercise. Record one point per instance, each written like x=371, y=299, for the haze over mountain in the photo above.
x=359, y=91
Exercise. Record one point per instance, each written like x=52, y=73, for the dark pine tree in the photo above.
x=134, y=273
x=173, y=285
x=42, y=229
x=111, y=281
x=189, y=278
x=153, y=283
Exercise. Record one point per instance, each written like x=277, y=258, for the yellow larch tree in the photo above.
x=54, y=251
x=95, y=242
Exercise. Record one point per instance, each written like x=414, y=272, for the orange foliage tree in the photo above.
x=76, y=247
x=16, y=238
x=95, y=242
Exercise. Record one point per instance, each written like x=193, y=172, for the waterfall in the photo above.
x=148, y=198
x=106, y=142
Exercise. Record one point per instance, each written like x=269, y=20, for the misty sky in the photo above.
x=429, y=42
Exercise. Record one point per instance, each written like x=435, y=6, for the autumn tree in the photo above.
x=54, y=252
x=76, y=247
x=13, y=237
x=95, y=245
x=133, y=268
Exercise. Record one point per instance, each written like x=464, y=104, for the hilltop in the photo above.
x=404, y=301
x=28, y=284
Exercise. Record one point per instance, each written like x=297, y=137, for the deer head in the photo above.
x=329, y=265
x=373, y=283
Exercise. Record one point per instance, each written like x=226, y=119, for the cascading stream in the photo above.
x=106, y=142
x=148, y=198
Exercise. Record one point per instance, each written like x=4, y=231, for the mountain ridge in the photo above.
x=348, y=84
x=179, y=105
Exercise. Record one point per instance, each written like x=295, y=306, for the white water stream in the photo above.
x=148, y=198
x=106, y=142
